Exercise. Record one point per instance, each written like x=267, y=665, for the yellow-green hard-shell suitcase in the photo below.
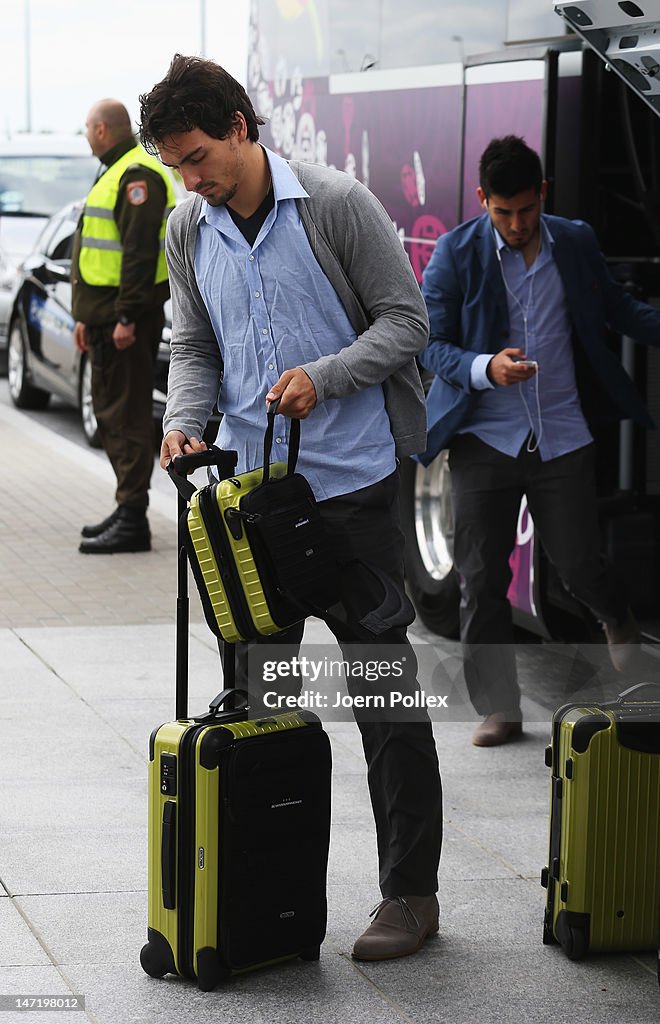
x=258, y=548
x=603, y=872
x=228, y=580
x=239, y=823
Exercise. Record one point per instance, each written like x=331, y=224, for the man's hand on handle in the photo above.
x=297, y=394
x=504, y=370
x=176, y=443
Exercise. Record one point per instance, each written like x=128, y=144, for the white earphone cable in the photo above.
x=524, y=312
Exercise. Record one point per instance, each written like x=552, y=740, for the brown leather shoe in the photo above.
x=400, y=927
x=498, y=728
x=623, y=640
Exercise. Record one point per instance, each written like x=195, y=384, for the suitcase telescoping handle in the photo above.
x=633, y=692
x=178, y=470
x=294, y=441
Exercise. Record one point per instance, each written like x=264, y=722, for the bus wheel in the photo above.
x=428, y=524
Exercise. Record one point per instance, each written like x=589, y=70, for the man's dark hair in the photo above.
x=508, y=166
x=195, y=93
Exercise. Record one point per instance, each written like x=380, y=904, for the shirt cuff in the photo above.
x=478, y=376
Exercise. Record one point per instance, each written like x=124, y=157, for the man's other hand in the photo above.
x=123, y=336
x=81, y=336
x=175, y=443
x=297, y=394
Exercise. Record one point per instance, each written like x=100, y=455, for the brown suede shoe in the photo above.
x=498, y=728
x=623, y=640
x=400, y=927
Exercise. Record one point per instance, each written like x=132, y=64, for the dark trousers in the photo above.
x=487, y=489
x=122, y=395
x=402, y=762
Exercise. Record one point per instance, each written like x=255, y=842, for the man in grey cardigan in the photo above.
x=289, y=281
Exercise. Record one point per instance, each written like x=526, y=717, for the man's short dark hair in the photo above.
x=508, y=166
x=195, y=93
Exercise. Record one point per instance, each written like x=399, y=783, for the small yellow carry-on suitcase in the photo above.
x=239, y=826
x=603, y=873
x=257, y=547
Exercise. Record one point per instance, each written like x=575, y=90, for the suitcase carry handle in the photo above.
x=294, y=441
x=182, y=465
x=224, y=695
x=624, y=697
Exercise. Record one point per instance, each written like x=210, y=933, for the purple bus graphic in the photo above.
x=417, y=148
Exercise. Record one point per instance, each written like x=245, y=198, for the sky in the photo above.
x=85, y=50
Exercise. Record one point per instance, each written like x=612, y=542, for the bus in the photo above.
x=405, y=99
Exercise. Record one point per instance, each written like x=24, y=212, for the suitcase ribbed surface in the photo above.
x=210, y=573
x=244, y=730
x=227, y=494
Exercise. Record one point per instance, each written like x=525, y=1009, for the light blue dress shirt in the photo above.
x=272, y=308
x=548, y=403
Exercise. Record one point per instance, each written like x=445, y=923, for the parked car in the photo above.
x=42, y=358
x=39, y=174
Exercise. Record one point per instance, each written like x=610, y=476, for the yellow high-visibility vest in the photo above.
x=101, y=249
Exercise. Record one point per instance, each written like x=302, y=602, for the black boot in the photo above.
x=97, y=528
x=129, y=532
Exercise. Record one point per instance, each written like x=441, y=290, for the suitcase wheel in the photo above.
x=313, y=953
x=574, y=942
x=156, y=956
x=209, y=972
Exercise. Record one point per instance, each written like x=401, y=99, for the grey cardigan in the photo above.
x=354, y=241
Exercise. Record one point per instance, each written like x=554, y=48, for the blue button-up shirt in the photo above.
x=272, y=308
x=548, y=403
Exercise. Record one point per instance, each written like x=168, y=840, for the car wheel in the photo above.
x=90, y=426
x=427, y=520
x=22, y=393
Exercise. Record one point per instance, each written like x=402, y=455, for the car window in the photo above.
x=42, y=184
x=60, y=246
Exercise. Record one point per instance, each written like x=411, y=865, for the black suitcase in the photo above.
x=239, y=825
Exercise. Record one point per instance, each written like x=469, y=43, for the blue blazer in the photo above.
x=468, y=314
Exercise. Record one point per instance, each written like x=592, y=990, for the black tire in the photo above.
x=23, y=394
x=89, y=424
x=428, y=524
x=314, y=953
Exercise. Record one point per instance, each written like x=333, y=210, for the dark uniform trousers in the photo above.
x=402, y=762
x=122, y=387
x=487, y=489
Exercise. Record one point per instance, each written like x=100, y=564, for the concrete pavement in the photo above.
x=86, y=672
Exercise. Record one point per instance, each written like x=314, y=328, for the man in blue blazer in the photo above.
x=519, y=306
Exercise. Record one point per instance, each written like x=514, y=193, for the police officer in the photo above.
x=119, y=278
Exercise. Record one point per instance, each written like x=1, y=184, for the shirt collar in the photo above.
x=285, y=185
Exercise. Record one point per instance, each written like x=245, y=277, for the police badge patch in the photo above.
x=136, y=193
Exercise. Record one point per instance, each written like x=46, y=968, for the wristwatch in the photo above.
x=125, y=320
